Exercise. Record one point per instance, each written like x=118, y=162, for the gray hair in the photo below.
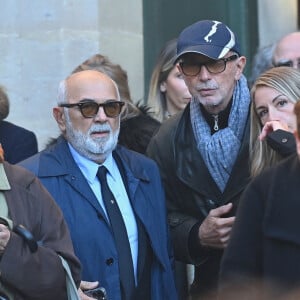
x=62, y=91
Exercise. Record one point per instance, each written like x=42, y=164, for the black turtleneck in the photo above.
x=219, y=121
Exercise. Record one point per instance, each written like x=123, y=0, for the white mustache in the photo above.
x=99, y=127
x=210, y=86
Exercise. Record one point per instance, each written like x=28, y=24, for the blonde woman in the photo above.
x=273, y=122
x=263, y=255
x=168, y=93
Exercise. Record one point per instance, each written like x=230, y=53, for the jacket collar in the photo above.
x=58, y=160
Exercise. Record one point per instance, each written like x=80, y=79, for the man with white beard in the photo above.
x=88, y=115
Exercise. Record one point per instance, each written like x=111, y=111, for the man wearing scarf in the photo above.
x=203, y=151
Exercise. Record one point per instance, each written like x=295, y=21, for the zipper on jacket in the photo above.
x=216, y=124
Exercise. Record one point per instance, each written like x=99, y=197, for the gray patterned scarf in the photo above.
x=220, y=150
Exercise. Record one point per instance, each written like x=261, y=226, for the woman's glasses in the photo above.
x=89, y=108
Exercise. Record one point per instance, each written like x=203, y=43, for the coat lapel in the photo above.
x=134, y=175
x=63, y=165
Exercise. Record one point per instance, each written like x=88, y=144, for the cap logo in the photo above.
x=211, y=32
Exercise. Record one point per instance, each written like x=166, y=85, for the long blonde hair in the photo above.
x=285, y=80
x=164, y=65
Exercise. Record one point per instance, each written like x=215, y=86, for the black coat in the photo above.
x=265, y=242
x=18, y=143
x=191, y=192
x=282, y=141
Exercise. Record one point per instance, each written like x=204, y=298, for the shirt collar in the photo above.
x=89, y=168
x=4, y=184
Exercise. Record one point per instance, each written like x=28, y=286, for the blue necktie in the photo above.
x=120, y=236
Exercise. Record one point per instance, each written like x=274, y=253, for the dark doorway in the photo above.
x=164, y=20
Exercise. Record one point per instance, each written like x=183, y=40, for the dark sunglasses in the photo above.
x=89, y=108
x=193, y=68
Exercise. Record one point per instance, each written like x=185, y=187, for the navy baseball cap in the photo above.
x=207, y=37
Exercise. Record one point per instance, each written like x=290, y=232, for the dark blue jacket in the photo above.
x=92, y=238
x=18, y=143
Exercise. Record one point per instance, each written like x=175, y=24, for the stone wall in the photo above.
x=276, y=18
x=41, y=42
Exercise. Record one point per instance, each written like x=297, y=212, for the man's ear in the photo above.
x=296, y=135
x=241, y=63
x=58, y=114
x=179, y=68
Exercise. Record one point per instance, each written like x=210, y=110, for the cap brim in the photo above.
x=210, y=51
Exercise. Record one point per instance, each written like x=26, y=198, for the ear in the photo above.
x=241, y=63
x=58, y=114
x=179, y=69
x=163, y=87
x=296, y=135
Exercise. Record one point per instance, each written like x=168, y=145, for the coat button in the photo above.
x=109, y=261
x=284, y=140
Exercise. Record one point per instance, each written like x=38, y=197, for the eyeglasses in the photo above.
x=89, y=108
x=288, y=63
x=191, y=68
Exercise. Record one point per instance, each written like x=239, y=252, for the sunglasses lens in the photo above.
x=189, y=69
x=89, y=110
x=112, y=109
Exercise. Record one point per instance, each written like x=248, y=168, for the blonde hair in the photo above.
x=285, y=80
x=163, y=67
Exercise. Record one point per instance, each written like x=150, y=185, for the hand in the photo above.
x=270, y=127
x=1, y=154
x=215, y=230
x=86, y=285
x=4, y=237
